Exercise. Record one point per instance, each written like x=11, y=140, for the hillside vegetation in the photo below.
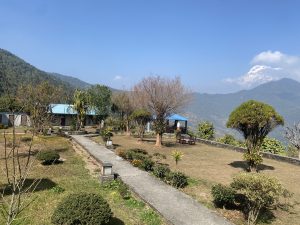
x=14, y=72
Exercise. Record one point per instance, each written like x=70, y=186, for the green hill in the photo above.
x=14, y=72
x=74, y=82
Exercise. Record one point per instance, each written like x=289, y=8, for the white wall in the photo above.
x=18, y=117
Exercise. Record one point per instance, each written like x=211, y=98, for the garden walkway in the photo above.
x=175, y=206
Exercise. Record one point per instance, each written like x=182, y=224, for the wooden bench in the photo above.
x=186, y=139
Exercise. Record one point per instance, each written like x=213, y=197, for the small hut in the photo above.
x=176, y=122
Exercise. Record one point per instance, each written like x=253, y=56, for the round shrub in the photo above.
x=224, y=196
x=161, y=171
x=177, y=179
x=82, y=208
x=48, y=157
x=147, y=164
x=260, y=192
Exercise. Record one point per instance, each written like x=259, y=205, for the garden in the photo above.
x=206, y=166
x=61, y=174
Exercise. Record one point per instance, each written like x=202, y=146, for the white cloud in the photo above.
x=268, y=66
x=118, y=78
x=275, y=58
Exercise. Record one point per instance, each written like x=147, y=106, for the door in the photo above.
x=11, y=119
x=63, y=121
x=23, y=120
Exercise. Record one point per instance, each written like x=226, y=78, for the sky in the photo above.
x=214, y=46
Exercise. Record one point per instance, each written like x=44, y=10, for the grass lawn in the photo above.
x=207, y=165
x=78, y=173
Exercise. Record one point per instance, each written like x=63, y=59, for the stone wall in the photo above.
x=268, y=155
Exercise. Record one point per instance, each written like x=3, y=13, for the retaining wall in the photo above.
x=268, y=155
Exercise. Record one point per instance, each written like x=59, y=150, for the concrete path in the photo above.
x=175, y=206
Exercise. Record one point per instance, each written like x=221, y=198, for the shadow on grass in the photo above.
x=116, y=221
x=243, y=165
x=266, y=216
x=149, y=140
x=33, y=185
x=58, y=150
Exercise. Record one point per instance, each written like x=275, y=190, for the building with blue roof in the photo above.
x=176, y=122
x=65, y=115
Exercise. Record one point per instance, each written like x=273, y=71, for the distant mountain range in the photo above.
x=283, y=95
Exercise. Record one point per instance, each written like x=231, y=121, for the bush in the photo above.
x=48, y=157
x=206, y=130
x=136, y=154
x=228, y=139
x=158, y=156
x=224, y=196
x=147, y=164
x=106, y=135
x=260, y=192
x=121, y=152
x=272, y=145
x=26, y=139
x=177, y=179
x=139, y=151
x=161, y=171
x=82, y=208
x=136, y=162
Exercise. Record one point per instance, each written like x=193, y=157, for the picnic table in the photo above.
x=186, y=139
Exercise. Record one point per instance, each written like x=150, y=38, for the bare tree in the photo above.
x=16, y=169
x=36, y=101
x=161, y=97
x=293, y=136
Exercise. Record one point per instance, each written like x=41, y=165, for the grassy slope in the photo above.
x=73, y=176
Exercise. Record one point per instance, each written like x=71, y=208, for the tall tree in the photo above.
x=123, y=105
x=80, y=105
x=254, y=120
x=100, y=101
x=161, y=97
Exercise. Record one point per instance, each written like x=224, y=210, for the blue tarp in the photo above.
x=67, y=109
x=177, y=117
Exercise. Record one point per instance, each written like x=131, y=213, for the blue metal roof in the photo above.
x=67, y=109
x=177, y=117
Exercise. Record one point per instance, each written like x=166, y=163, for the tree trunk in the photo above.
x=127, y=128
x=158, y=140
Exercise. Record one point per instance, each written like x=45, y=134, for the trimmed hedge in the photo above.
x=48, y=157
x=82, y=208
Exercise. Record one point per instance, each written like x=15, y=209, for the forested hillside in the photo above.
x=15, y=72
